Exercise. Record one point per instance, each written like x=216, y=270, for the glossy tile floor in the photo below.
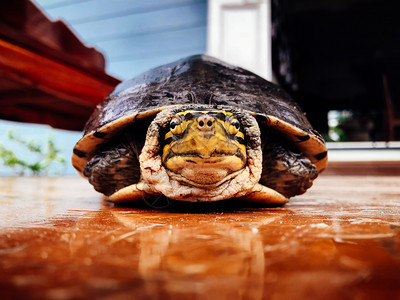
x=341, y=240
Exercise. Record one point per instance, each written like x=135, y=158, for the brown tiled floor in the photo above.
x=341, y=240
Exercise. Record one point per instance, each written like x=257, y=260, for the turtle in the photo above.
x=200, y=130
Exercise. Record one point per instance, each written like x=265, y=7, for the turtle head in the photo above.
x=201, y=153
x=204, y=146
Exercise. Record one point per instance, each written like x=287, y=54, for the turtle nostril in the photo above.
x=201, y=123
x=209, y=123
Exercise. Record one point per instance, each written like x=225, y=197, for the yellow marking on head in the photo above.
x=204, y=112
x=168, y=135
x=240, y=135
x=207, y=140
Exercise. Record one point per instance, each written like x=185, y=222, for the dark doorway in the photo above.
x=331, y=55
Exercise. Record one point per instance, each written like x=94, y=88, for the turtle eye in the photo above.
x=175, y=126
x=234, y=127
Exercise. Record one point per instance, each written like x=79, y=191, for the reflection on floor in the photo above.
x=61, y=240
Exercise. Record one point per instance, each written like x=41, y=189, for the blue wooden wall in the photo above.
x=135, y=35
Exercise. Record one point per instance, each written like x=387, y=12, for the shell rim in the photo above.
x=310, y=143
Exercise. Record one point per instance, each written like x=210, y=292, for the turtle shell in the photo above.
x=198, y=79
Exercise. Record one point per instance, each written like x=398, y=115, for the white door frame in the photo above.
x=239, y=32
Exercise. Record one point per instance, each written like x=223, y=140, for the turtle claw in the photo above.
x=141, y=191
x=132, y=193
x=263, y=194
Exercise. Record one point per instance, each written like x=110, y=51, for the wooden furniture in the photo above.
x=47, y=75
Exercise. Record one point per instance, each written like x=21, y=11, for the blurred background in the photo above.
x=339, y=59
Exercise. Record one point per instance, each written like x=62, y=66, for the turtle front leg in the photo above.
x=286, y=172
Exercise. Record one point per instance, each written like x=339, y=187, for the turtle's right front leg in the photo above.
x=113, y=169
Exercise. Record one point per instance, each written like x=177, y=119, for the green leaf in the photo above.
x=42, y=161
